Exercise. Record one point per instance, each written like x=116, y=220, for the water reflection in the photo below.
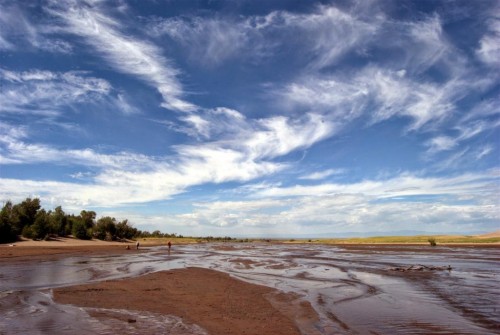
x=34, y=312
x=352, y=289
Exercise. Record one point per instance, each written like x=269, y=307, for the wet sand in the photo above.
x=255, y=288
x=62, y=247
x=211, y=299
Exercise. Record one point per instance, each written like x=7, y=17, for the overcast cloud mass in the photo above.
x=255, y=118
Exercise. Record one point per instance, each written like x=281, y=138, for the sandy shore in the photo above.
x=210, y=299
x=29, y=250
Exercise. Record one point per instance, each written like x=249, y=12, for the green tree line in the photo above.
x=31, y=221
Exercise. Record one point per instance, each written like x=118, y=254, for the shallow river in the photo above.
x=355, y=290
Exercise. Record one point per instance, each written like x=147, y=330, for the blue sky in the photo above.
x=255, y=118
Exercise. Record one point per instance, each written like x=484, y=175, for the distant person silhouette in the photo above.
x=137, y=245
x=169, y=246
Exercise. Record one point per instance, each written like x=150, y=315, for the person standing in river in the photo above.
x=169, y=246
x=137, y=245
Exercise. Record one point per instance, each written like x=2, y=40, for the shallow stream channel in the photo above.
x=354, y=289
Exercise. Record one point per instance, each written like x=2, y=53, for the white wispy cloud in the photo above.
x=327, y=31
x=424, y=44
x=216, y=123
x=406, y=202
x=378, y=204
x=403, y=185
x=258, y=139
x=323, y=35
x=484, y=151
x=383, y=91
x=16, y=151
x=211, y=163
x=464, y=156
x=334, y=214
x=125, y=178
x=342, y=100
x=43, y=92
x=323, y=174
x=484, y=109
x=210, y=41
x=248, y=155
x=124, y=105
x=422, y=79
x=19, y=32
x=5, y=45
x=379, y=93
x=489, y=46
x=282, y=135
x=472, y=129
x=139, y=178
x=330, y=31
x=441, y=143
x=466, y=130
x=231, y=213
x=125, y=53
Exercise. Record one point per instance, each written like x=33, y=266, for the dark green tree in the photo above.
x=71, y=220
x=124, y=230
x=58, y=222
x=40, y=229
x=80, y=230
x=88, y=218
x=105, y=228
x=24, y=214
x=30, y=220
x=157, y=233
x=145, y=234
x=6, y=231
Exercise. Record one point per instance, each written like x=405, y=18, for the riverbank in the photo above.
x=67, y=245
x=63, y=246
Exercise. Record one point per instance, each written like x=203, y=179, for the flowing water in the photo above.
x=354, y=290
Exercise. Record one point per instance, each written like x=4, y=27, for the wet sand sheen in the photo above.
x=314, y=289
x=213, y=300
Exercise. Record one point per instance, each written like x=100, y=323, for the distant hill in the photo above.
x=402, y=233
x=489, y=235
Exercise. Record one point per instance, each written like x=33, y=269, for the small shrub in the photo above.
x=432, y=241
